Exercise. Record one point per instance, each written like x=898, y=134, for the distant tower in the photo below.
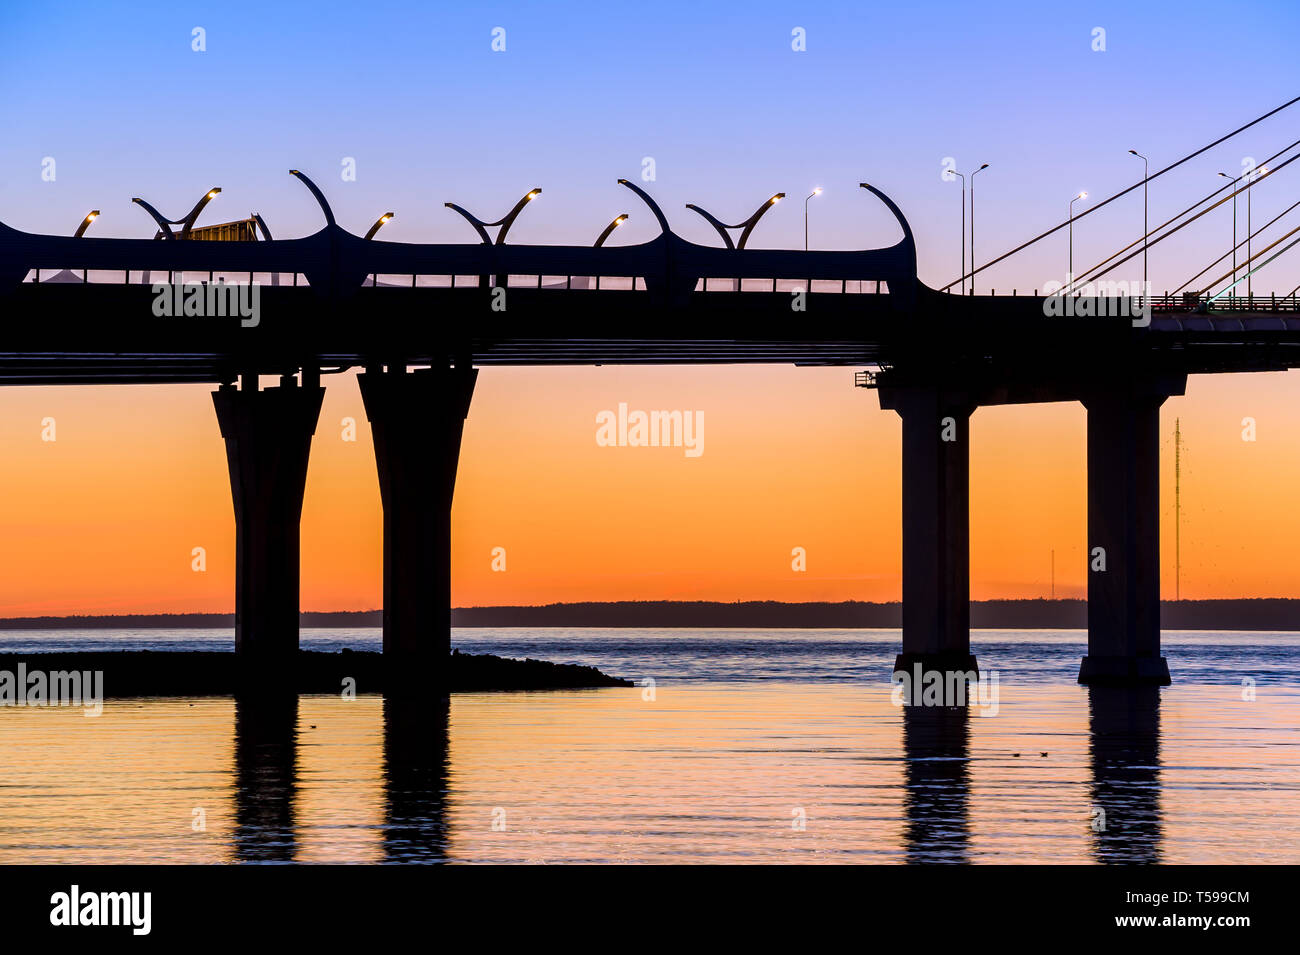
x=1178, y=511
x=1053, y=573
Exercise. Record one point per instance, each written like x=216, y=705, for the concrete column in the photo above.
x=417, y=419
x=1124, y=535
x=936, y=527
x=268, y=439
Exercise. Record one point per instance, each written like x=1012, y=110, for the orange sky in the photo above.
x=104, y=518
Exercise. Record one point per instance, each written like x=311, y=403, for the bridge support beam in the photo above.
x=417, y=419
x=936, y=527
x=1124, y=534
x=268, y=439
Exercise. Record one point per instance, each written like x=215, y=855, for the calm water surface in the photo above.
x=779, y=746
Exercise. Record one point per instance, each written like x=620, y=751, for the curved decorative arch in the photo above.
x=261, y=224
x=320, y=197
x=654, y=206
x=473, y=220
x=164, y=225
x=717, y=224
x=746, y=224
x=187, y=223
x=908, y=238
x=506, y=221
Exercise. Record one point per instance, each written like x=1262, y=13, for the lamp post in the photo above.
x=186, y=223
x=1145, y=177
x=815, y=192
x=1069, y=274
x=91, y=216
x=505, y=222
x=1234, y=228
x=746, y=227
x=374, y=279
x=81, y=230
x=972, y=224
x=609, y=229
x=963, y=231
x=378, y=222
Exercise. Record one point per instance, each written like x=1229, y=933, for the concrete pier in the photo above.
x=936, y=526
x=417, y=419
x=268, y=439
x=1124, y=534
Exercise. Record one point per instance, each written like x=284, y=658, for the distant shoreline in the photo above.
x=1266, y=613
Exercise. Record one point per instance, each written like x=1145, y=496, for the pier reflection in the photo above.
x=415, y=779
x=1124, y=731
x=936, y=749
x=266, y=777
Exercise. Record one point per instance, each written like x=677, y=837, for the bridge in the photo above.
x=420, y=319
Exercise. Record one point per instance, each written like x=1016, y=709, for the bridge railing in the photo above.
x=1172, y=302
x=62, y=276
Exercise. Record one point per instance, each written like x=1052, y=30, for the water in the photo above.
x=777, y=746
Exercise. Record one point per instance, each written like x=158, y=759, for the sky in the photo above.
x=105, y=518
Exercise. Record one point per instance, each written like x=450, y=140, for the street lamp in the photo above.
x=1070, y=271
x=378, y=222
x=505, y=222
x=617, y=221
x=85, y=223
x=1145, y=177
x=972, y=224
x=81, y=230
x=1234, y=230
x=186, y=223
x=747, y=225
x=374, y=279
x=815, y=192
x=963, y=231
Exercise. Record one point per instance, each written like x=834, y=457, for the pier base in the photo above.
x=417, y=419
x=936, y=526
x=1124, y=534
x=268, y=439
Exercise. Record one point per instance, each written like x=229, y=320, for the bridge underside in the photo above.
x=87, y=334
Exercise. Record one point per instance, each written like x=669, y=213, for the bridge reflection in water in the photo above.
x=267, y=790
x=1124, y=764
x=1124, y=731
x=938, y=800
x=936, y=746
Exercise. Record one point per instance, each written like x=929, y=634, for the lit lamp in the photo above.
x=747, y=225
x=85, y=223
x=81, y=230
x=609, y=229
x=378, y=222
x=505, y=222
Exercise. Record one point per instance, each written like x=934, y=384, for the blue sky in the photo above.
x=713, y=92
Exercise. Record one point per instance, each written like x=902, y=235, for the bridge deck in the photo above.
x=73, y=333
